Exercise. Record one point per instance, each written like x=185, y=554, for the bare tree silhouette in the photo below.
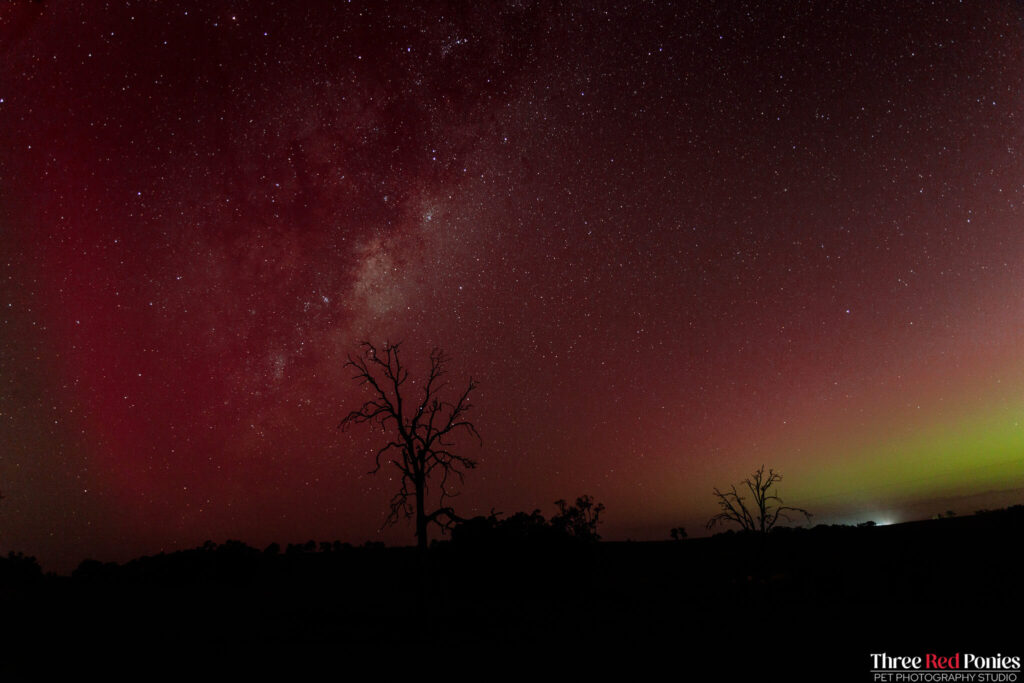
x=420, y=432
x=766, y=509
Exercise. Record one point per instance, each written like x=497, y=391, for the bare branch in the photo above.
x=768, y=507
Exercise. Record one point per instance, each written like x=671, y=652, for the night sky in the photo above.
x=671, y=241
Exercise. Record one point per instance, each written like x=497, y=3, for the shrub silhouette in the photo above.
x=572, y=523
x=579, y=520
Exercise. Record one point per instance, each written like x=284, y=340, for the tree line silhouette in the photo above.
x=420, y=421
x=419, y=426
x=524, y=575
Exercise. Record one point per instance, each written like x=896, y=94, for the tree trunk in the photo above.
x=421, y=546
x=421, y=517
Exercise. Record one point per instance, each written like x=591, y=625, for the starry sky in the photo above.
x=671, y=241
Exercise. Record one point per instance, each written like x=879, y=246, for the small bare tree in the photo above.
x=420, y=427
x=766, y=507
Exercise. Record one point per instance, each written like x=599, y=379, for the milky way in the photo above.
x=670, y=242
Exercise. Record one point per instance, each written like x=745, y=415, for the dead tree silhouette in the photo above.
x=766, y=509
x=420, y=432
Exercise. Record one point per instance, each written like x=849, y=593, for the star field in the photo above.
x=670, y=242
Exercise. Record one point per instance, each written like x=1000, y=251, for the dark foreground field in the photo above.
x=803, y=604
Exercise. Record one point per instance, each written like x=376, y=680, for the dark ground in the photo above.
x=793, y=605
